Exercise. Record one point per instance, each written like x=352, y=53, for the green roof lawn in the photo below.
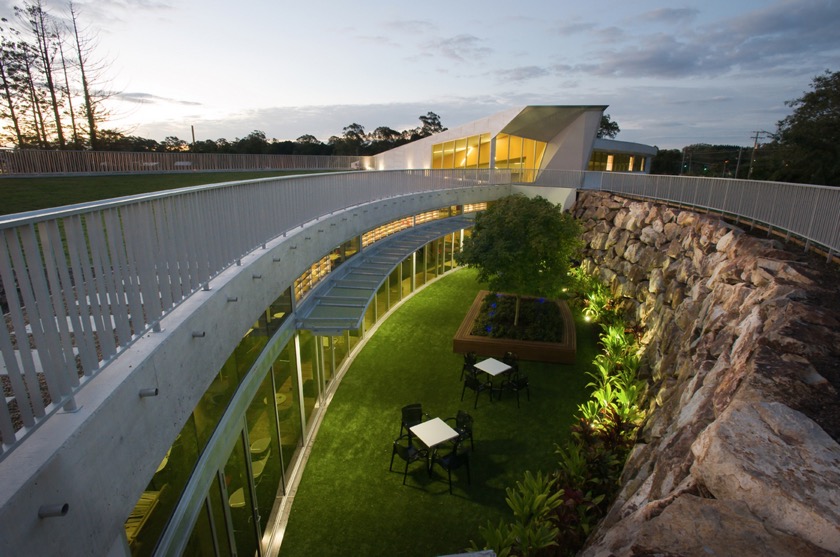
x=349, y=503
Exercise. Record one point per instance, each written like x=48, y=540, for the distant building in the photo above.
x=526, y=140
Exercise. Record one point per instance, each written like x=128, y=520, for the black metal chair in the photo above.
x=454, y=460
x=405, y=449
x=511, y=359
x=412, y=414
x=463, y=424
x=470, y=359
x=473, y=383
x=516, y=383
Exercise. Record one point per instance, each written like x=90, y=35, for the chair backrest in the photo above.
x=412, y=414
x=470, y=359
x=463, y=421
x=472, y=382
x=511, y=359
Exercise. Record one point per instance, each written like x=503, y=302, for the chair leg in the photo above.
x=463, y=390
x=449, y=471
x=391, y=467
x=405, y=474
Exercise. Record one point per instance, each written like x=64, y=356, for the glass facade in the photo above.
x=288, y=392
x=467, y=152
x=521, y=155
x=606, y=162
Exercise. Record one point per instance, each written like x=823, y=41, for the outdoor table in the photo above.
x=433, y=432
x=492, y=367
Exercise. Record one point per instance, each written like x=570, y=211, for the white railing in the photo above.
x=35, y=161
x=82, y=282
x=801, y=210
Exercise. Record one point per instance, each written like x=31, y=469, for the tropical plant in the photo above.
x=533, y=502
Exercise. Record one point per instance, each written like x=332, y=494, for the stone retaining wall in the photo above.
x=740, y=454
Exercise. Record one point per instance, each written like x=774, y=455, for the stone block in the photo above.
x=794, y=486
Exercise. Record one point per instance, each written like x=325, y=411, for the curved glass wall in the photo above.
x=238, y=510
x=608, y=162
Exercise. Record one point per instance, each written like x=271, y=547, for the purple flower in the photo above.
x=488, y=328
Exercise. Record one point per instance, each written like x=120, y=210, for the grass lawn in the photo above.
x=29, y=194
x=348, y=503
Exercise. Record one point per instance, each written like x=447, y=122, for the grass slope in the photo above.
x=348, y=503
x=30, y=194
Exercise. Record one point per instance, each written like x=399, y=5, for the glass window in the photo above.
x=461, y=153
x=473, y=148
x=502, y=150
x=420, y=267
x=406, y=274
x=370, y=315
x=449, y=154
x=264, y=446
x=484, y=151
x=219, y=518
x=245, y=534
x=381, y=300
x=309, y=373
x=394, y=291
x=340, y=350
x=278, y=311
x=201, y=538
x=288, y=404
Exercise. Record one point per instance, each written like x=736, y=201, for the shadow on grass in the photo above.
x=348, y=503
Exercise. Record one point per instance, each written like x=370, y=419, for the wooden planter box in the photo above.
x=557, y=352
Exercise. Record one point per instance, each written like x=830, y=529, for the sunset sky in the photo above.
x=672, y=74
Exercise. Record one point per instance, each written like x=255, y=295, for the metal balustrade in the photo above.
x=82, y=282
x=807, y=212
x=40, y=162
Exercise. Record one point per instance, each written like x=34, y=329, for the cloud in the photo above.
x=148, y=98
x=418, y=26
x=522, y=73
x=670, y=15
x=771, y=39
x=462, y=48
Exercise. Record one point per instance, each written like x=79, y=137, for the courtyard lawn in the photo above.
x=348, y=503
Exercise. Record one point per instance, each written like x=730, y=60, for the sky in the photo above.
x=672, y=73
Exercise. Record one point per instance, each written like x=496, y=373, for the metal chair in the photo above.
x=463, y=424
x=516, y=383
x=405, y=449
x=454, y=460
x=472, y=382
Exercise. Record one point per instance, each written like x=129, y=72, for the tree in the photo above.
x=522, y=246
x=809, y=139
x=431, y=125
x=608, y=128
x=666, y=161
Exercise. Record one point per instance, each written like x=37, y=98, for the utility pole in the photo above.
x=755, y=148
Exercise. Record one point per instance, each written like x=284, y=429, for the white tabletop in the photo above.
x=433, y=432
x=492, y=366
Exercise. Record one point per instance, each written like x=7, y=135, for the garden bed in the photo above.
x=563, y=352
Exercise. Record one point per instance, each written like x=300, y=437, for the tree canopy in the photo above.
x=808, y=140
x=522, y=246
x=608, y=128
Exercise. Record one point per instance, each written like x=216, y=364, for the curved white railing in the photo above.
x=805, y=211
x=82, y=282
